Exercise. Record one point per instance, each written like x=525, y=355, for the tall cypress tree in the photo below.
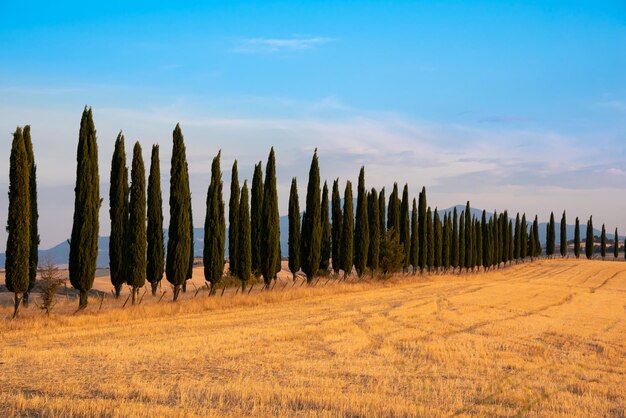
x=616, y=245
x=233, y=221
x=563, y=240
x=538, y=248
x=244, y=263
x=447, y=236
x=414, y=251
x=382, y=214
x=347, y=233
x=461, y=240
x=405, y=228
x=438, y=238
x=486, y=240
x=532, y=244
x=577, y=239
x=178, y=242
x=270, y=228
x=496, y=238
x=294, y=229
x=524, y=238
x=478, y=242
x=422, y=230
x=361, y=227
x=136, y=235
x=214, y=227
x=454, y=256
x=34, y=213
x=511, y=243
x=156, y=253
x=589, y=242
x=336, y=227
x=18, y=222
x=469, y=244
x=373, y=256
x=256, y=219
x=603, y=242
x=326, y=245
x=118, y=211
x=518, y=239
x=84, y=241
x=393, y=210
x=430, y=240
x=551, y=244
x=311, y=224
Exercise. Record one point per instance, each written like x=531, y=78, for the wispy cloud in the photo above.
x=272, y=45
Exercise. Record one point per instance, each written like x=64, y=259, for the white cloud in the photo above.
x=271, y=45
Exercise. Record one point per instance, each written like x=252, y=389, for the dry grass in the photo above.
x=541, y=339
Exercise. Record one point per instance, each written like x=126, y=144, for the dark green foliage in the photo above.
x=469, y=244
x=178, y=243
x=326, y=245
x=84, y=240
x=311, y=224
x=233, y=221
x=447, y=236
x=551, y=237
x=422, y=230
x=603, y=242
x=532, y=245
x=430, y=240
x=18, y=221
x=244, y=263
x=34, y=212
x=616, y=245
x=294, y=229
x=438, y=238
x=454, y=255
x=478, y=242
x=563, y=240
x=523, y=238
x=256, y=219
x=496, y=248
x=382, y=214
x=270, y=229
x=347, y=233
x=136, y=232
x=414, y=250
x=214, y=227
x=118, y=212
x=361, y=227
x=486, y=240
x=373, y=257
x=538, y=248
x=156, y=252
x=391, y=252
x=577, y=239
x=518, y=239
x=337, y=218
x=393, y=210
x=461, y=240
x=405, y=228
x=589, y=246
x=511, y=243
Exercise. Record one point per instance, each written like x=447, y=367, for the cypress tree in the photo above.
x=577, y=239
x=393, y=211
x=373, y=256
x=294, y=229
x=478, y=242
x=454, y=256
x=563, y=243
x=511, y=243
x=524, y=238
x=616, y=245
x=405, y=228
x=156, y=253
x=469, y=245
x=17, y=267
x=589, y=242
x=178, y=242
x=461, y=240
x=214, y=228
x=336, y=227
x=347, y=234
x=382, y=214
x=326, y=245
x=430, y=240
x=311, y=224
x=34, y=214
x=270, y=228
x=551, y=244
x=256, y=219
x=244, y=245
x=518, y=239
x=495, y=247
x=447, y=235
x=136, y=241
x=361, y=227
x=414, y=252
x=538, y=248
x=118, y=211
x=233, y=221
x=603, y=242
x=486, y=240
x=422, y=230
x=532, y=245
x=438, y=238
x=84, y=240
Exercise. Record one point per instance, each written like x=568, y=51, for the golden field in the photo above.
x=541, y=339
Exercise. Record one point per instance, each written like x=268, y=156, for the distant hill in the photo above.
x=60, y=253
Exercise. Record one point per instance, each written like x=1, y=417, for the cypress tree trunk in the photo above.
x=270, y=229
x=136, y=249
x=155, y=256
x=373, y=221
x=347, y=234
x=603, y=242
x=563, y=240
x=84, y=239
x=405, y=228
x=311, y=224
x=337, y=218
x=118, y=212
x=17, y=269
x=233, y=221
x=430, y=240
x=422, y=230
x=361, y=227
x=178, y=243
x=256, y=207
x=244, y=263
x=577, y=239
x=326, y=246
x=34, y=214
x=294, y=229
x=214, y=228
x=414, y=251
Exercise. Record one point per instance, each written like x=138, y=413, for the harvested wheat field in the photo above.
x=546, y=339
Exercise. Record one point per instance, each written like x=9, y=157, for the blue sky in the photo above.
x=518, y=105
